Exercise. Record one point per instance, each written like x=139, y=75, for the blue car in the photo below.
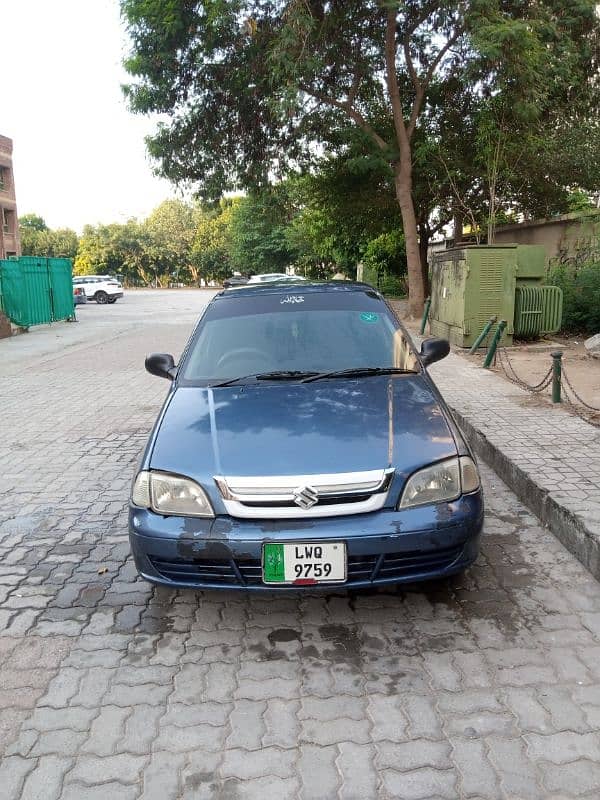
x=302, y=443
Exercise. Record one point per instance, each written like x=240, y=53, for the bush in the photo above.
x=392, y=286
x=581, y=296
x=386, y=254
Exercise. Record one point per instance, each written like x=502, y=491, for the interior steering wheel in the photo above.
x=244, y=354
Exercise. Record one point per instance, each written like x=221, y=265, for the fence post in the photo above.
x=425, y=315
x=556, y=375
x=487, y=327
x=493, y=346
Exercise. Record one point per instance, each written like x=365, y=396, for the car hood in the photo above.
x=319, y=427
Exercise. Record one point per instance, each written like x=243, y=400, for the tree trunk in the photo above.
x=403, y=183
x=459, y=219
x=424, y=236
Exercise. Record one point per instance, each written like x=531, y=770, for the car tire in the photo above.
x=112, y=300
x=101, y=297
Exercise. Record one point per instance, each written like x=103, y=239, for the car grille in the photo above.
x=373, y=569
x=298, y=496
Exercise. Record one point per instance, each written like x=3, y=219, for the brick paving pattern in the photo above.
x=483, y=687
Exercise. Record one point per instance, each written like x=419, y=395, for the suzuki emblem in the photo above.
x=306, y=497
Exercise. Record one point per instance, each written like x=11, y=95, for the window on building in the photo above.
x=4, y=179
x=8, y=220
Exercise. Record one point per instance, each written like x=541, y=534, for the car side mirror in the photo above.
x=161, y=364
x=433, y=350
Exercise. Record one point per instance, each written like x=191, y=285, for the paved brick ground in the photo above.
x=487, y=687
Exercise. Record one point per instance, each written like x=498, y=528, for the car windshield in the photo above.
x=298, y=333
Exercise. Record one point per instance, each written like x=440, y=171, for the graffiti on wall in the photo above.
x=580, y=244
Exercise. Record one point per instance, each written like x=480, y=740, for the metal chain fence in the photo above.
x=578, y=398
x=575, y=401
x=504, y=363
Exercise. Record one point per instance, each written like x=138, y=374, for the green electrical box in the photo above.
x=471, y=284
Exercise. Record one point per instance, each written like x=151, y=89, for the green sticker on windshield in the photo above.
x=369, y=316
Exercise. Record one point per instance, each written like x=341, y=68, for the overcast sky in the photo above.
x=79, y=155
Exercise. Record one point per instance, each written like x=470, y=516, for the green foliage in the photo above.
x=169, y=232
x=386, y=254
x=581, y=296
x=32, y=222
x=210, y=251
x=340, y=207
x=37, y=239
x=154, y=251
x=257, y=236
x=121, y=249
x=491, y=98
x=579, y=201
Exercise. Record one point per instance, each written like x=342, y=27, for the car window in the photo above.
x=317, y=332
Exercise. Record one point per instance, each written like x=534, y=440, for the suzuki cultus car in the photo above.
x=302, y=443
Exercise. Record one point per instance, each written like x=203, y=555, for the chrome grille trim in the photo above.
x=275, y=496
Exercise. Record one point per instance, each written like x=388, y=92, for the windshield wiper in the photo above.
x=360, y=372
x=277, y=375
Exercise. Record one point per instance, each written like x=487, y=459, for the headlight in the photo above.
x=170, y=494
x=441, y=482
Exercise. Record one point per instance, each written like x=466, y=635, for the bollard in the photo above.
x=425, y=315
x=493, y=346
x=482, y=335
x=556, y=375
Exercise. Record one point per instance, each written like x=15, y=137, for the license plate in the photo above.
x=304, y=563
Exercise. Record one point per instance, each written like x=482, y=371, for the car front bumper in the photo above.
x=383, y=547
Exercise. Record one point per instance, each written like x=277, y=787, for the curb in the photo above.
x=563, y=523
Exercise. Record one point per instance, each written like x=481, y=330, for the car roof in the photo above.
x=287, y=286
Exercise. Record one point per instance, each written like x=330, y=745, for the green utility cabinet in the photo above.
x=471, y=284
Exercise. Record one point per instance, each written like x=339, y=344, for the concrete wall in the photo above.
x=9, y=239
x=570, y=239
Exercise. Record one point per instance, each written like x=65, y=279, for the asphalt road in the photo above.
x=483, y=687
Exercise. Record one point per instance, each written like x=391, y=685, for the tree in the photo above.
x=210, y=251
x=121, y=249
x=257, y=235
x=171, y=228
x=37, y=239
x=251, y=87
x=32, y=222
x=341, y=207
x=386, y=255
x=579, y=201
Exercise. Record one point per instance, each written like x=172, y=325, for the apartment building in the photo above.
x=9, y=223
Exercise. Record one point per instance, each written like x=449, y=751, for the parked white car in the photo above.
x=101, y=288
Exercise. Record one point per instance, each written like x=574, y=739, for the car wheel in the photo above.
x=101, y=297
x=112, y=300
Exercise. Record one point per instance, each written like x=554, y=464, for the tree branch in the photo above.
x=436, y=61
x=441, y=224
x=461, y=201
x=354, y=88
x=424, y=83
x=421, y=18
x=354, y=115
x=410, y=65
